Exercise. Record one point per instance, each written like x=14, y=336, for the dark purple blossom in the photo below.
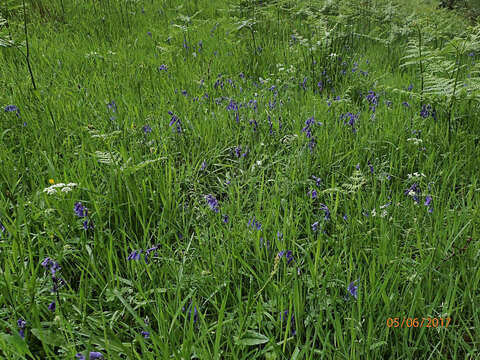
x=372, y=99
x=353, y=289
x=406, y=104
x=414, y=191
x=255, y=224
x=93, y=355
x=204, y=165
x=112, y=106
x=318, y=181
x=225, y=219
x=426, y=110
x=52, y=306
x=212, y=202
x=288, y=255
x=326, y=211
x=174, y=120
x=21, y=325
x=163, y=67
x=313, y=193
x=80, y=210
x=315, y=226
x=350, y=119
x=135, y=255
x=145, y=334
x=12, y=108
x=147, y=129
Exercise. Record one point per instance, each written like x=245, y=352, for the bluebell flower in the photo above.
x=204, y=165
x=145, y=334
x=163, y=67
x=320, y=86
x=255, y=224
x=372, y=98
x=279, y=236
x=370, y=166
x=149, y=33
x=406, y=104
x=288, y=255
x=345, y=217
x=318, y=181
x=225, y=219
x=357, y=166
x=93, y=355
x=80, y=210
x=112, y=106
x=184, y=92
x=212, y=202
x=425, y=111
x=195, y=312
x=134, y=255
x=313, y=193
x=410, y=87
x=174, y=120
x=21, y=325
x=52, y=306
x=12, y=108
x=147, y=129
x=326, y=211
x=315, y=226
x=353, y=289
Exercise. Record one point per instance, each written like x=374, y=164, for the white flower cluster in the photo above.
x=416, y=175
x=415, y=141
x=64, y=188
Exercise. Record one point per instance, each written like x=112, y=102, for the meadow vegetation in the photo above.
x=239, y=179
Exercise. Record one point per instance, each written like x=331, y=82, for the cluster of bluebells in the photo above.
x=238, y=152
x=195, y=312
x=427, y=110
x=372, y=99
x=428, y=202
x=350, y=119
x=147, y=129
x=232, y=106
x=53, y=266
x=414, y=191
x=174, y=120
x=308, y=132
x=22, y=324
x=135, y=254
x=288, y=255
x=212, y=202
x=82, y=212
x=12, y=108
x=326, y=212
x=254, y=224
x=93, y=355
x=353, y=289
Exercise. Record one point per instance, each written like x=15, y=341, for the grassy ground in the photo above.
x=281, y=219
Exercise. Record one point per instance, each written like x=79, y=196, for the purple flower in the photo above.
x=315, y=226
x=184, y=92
x=12, y=108
x=345, y=217
x=87, y=224
x=212, y=202
x=163, y=67
x=414, y=191
x=353, y=289
x=428, y=200
x=372, y=98
x=225, y=219
x=174, y=120
x=352, y=118
x=326, y=211
x=52, y=306
x=195, y=313
x=255, y=224
x=145, y=334
x=313, y=193
x=410, y=87
x=426, y=111
x=318, y=181
x=147, y=129
x=92, y=356
x=112, y=106
x=406, y=104
x=279, y=236
x=288, y=255
x=149, y=33
x=204, y=165
x=21, y=325
x=80, y=210
x=134, y=255
x=357, y=166
x=370, y=166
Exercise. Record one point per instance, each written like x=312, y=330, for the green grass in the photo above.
x=148, y=188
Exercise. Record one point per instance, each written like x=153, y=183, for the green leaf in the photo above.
x=252, y=338
x=48, y=336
